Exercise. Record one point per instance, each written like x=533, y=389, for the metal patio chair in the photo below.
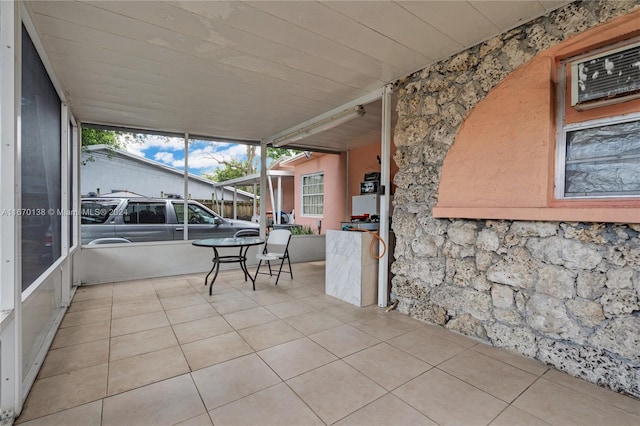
x=276, y=248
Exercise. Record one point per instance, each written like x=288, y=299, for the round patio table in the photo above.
x=242, y=243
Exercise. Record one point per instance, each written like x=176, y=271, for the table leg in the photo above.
x=242, y=258
x=243, y=264
x=216, y=266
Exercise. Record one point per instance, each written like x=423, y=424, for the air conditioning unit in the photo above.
x=607, y=78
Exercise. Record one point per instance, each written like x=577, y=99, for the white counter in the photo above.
x=351, y=272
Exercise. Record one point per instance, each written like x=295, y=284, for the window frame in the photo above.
x=563, y=129
x=193, y=209
x=303, y=195
x=136, y=208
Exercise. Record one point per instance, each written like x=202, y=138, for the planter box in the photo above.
x=307, y=248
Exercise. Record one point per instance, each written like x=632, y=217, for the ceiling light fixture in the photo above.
x=320, y=126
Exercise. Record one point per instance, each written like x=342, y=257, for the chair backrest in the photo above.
x=247, y=233
x=279, y=237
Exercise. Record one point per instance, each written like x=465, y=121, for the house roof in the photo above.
x=250, y=70
x=255, y=178
x=107, y=149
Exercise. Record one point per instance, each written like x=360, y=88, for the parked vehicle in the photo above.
x=128, y=220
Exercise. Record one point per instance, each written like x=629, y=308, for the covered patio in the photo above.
x=127, y=334
x=163, y=352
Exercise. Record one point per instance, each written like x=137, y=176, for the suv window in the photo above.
x=141, y=212
x=97, y=211
x=197, y=215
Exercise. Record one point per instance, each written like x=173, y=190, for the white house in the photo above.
x=107, y=170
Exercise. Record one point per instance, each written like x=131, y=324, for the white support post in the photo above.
x=347, y=198
x=263, y=187
x=77, y=204
x=385, y=181
x=273, y=204
x=235, y=202
x=255, y=199
x=9, y=109
x=76, y=142
x=185, y=196
x=10, y=269
x=65, y=217
x=64, y=178
x=279, y=202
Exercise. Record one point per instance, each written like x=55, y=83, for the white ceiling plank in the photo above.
x=129, y=80
x=191, y=81
x=549, y=5
x=120, y=79
x=196, y=124
x=254, y=124
x=182, y=70
x=384, y=16
x=218, y=106
x=249, y=70
x=273, y=28
x=136, y=30
x=181, y=21
x=458, y=19
x=335, y=26
x=507, y=14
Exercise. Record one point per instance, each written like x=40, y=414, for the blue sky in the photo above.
x=203, y=155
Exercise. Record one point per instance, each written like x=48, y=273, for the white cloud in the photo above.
x=164, y=157
x=139, y=145
x=135, y=151
x=237, y=151
x=201, y=157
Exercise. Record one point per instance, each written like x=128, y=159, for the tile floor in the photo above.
x=164, y=352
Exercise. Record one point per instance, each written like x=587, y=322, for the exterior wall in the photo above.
x=363, y=160
x=514, y=126
x=334, y=168
x=118, y=173
x=565, y=293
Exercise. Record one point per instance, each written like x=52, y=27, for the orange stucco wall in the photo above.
x=340, y=184
x=364, y=160
x=334, y=168
x=501, y=164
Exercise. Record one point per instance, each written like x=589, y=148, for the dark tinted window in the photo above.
x=197, y=215
x=145, y=213
x=97, y=211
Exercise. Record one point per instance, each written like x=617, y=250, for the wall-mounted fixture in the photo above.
x=606, y=78
x=320, y=126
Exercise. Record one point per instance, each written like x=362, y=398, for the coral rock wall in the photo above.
x=564, y=293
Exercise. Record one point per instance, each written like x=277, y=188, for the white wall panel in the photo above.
x=40, y=311
x=122, y=262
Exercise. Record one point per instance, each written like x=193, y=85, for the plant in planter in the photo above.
x=302, y=230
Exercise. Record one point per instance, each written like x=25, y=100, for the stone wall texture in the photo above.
x=564, y=293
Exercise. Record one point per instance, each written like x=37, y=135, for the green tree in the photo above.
x=277, y=153
x=113, y=139
x=101, y=137
x=232, y=169
x=91, y=136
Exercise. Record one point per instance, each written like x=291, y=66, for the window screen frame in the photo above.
x=303, y=195
x=562, y=131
